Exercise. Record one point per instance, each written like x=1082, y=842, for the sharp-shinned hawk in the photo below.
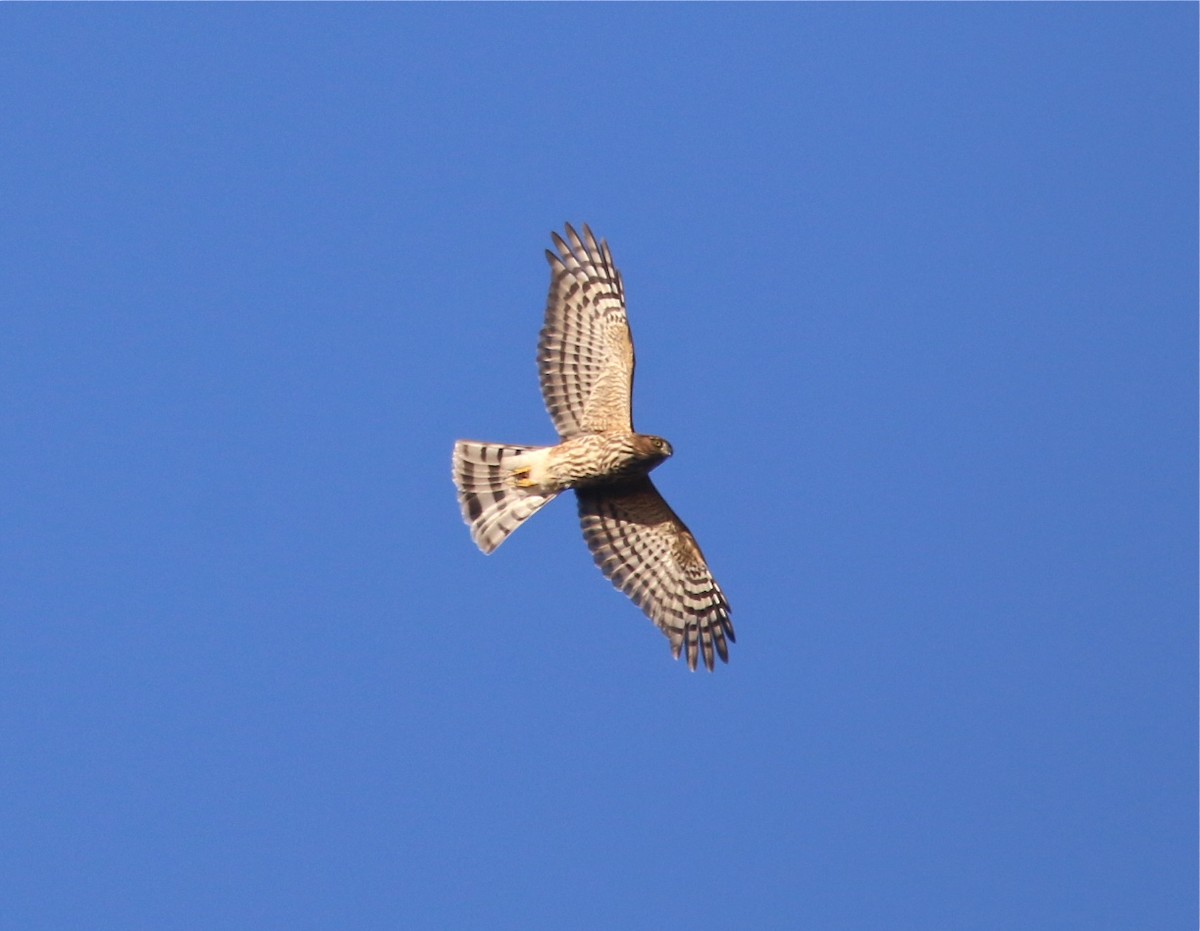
x=586, y=361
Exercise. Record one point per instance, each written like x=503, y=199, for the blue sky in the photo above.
x=914, y=291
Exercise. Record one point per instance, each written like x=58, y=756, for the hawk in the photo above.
x=585, y=362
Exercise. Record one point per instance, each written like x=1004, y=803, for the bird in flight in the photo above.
x=585, y=363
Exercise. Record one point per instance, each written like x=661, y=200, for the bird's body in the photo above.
x=600, y=458
x=494, y=480
x=586, y=362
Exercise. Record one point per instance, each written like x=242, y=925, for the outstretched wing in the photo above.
x=648, y=553
x=585, y=354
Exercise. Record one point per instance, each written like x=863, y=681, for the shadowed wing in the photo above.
x=648, y=553
x=585, y=354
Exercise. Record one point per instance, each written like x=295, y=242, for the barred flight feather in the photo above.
x=491, y=505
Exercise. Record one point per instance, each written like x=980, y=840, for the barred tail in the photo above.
x=493, y=505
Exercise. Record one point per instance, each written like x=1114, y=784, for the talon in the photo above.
x=520, y=477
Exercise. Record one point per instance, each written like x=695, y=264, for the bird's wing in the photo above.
x=585, y=353
x=648, y=553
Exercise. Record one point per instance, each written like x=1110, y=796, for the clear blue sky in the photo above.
x=914, y=291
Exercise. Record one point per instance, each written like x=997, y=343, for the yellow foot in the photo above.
x=520, y=477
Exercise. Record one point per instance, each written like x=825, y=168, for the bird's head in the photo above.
x=653, y=449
